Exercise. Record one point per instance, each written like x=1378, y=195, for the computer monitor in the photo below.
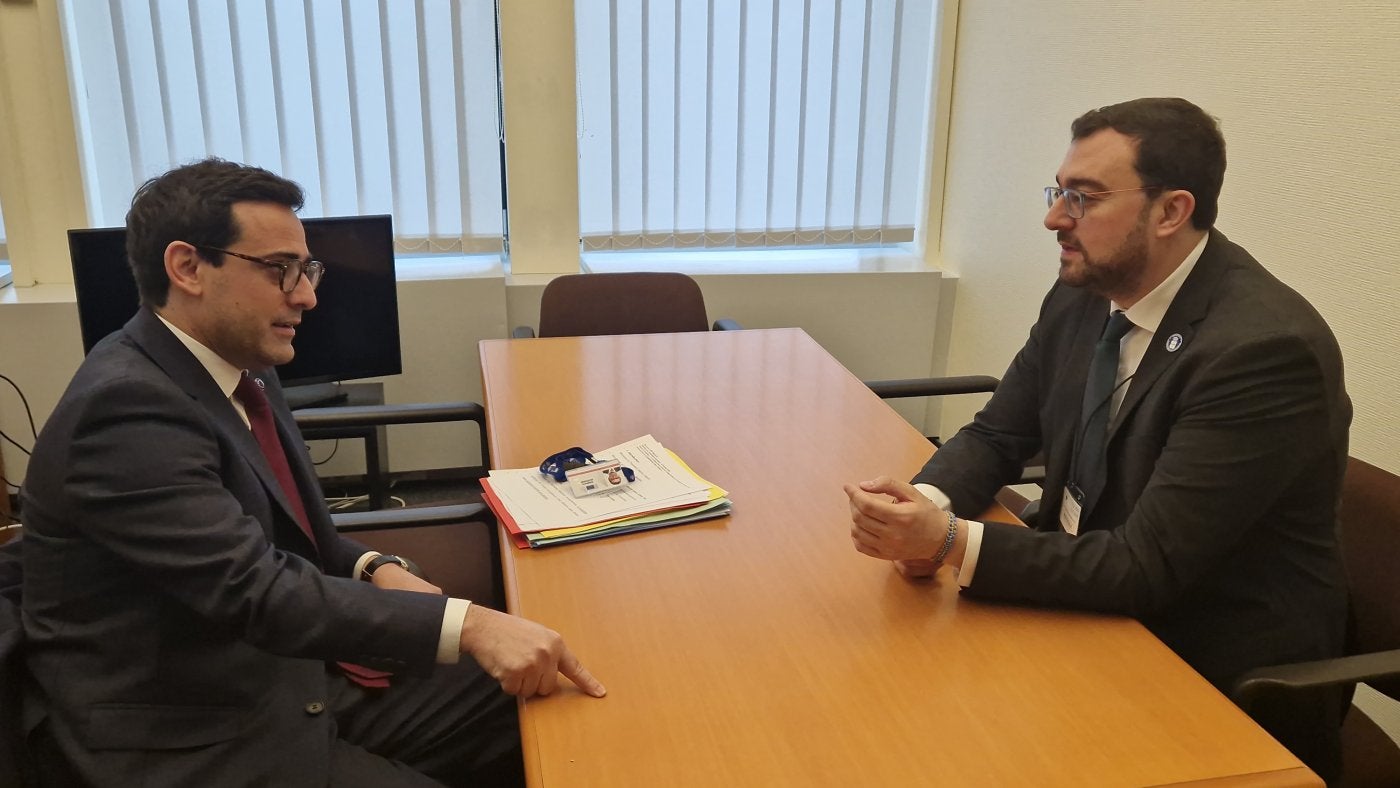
x=352, y=333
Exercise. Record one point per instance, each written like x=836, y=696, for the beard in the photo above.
x=1117, y=272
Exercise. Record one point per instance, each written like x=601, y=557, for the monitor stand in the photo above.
x=315, y=395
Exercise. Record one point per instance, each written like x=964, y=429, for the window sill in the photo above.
x=38, y=294
x=421, y=267
x=407, y=268
x=760, y=261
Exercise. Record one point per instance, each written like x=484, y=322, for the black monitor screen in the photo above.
x=352, y=333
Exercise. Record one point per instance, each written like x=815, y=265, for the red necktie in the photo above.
x=250, y=392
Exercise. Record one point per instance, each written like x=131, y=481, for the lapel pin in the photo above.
x=1173, y=344
x=263, y=385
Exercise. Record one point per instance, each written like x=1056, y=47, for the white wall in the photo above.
x=1306, y=95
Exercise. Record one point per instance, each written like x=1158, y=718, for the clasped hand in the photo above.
x=894, y=521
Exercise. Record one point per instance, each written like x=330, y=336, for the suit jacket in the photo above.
x=1217, y=524
x=177, y=619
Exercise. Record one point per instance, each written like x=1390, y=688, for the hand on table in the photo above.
x=917, y=568
x=908, y=530
x=524, y=656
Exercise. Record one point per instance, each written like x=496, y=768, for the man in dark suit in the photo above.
x=186, y=597
x=1196, y=488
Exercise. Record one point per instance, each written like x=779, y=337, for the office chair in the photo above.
x=456, y=545
x=581, y=305
x=15, y=768
x=1370, y=532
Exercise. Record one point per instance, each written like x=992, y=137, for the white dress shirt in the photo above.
x=1146, y=316
x=226, y=377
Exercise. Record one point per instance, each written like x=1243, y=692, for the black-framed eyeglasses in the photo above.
x=292, y=270
x=1075, y=199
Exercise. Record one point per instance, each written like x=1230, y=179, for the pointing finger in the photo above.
x=574, y=671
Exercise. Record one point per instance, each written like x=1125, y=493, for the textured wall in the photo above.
x=1306, y=94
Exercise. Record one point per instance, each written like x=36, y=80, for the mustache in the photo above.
x=1067, y=240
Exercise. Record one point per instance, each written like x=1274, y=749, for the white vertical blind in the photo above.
x=373, y=106
x=721, y=123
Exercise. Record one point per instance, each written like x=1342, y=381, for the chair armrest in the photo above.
x=1315, y=675
x=522, y=332
x=1033, y=474
x=364, y=416
x=726, y=324
x=350, y=522
x=932, y=387
x=380, y=415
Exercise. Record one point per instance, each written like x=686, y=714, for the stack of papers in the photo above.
x=538, y=511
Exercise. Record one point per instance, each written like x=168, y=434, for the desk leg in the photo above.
x=376, y=461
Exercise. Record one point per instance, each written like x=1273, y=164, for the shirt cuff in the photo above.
x=974, y=548
x=974, y=533
x=449, y=649
x=450, y=639
x=362, y=563
x=935, y=495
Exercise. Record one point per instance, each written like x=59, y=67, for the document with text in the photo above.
x=664, y=491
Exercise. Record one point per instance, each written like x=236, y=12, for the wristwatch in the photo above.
x=380, y=560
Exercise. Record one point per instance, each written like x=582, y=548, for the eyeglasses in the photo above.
x=292, y=270
x=1074, y=199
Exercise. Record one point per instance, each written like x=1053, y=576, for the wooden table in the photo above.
x=761, y=649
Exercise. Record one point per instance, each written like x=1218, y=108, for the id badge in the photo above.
x=596, y=477
x=1070, y=509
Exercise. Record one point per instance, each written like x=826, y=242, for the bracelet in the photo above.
x=948, y=540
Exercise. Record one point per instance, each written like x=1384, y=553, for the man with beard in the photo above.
x=1191, y=412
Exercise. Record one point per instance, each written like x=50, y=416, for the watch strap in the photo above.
x=381, y=560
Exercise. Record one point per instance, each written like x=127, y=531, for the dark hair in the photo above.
x=194, y=203
x=1179, y=147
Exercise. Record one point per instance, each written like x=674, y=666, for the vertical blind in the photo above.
x=717, y=123
x=373, y=106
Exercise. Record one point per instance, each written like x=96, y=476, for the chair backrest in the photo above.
x=13, y=765
x=1370, y=529
x=580, y=305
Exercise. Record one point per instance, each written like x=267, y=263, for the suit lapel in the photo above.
x=171, y=355
x=1177, y=329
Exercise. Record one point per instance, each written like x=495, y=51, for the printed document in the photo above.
x=537, y=502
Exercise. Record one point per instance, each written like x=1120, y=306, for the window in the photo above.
x=783, y=123
x=729, y=124
x=371, y=105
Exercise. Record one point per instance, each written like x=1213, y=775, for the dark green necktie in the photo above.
x=1098, y=396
